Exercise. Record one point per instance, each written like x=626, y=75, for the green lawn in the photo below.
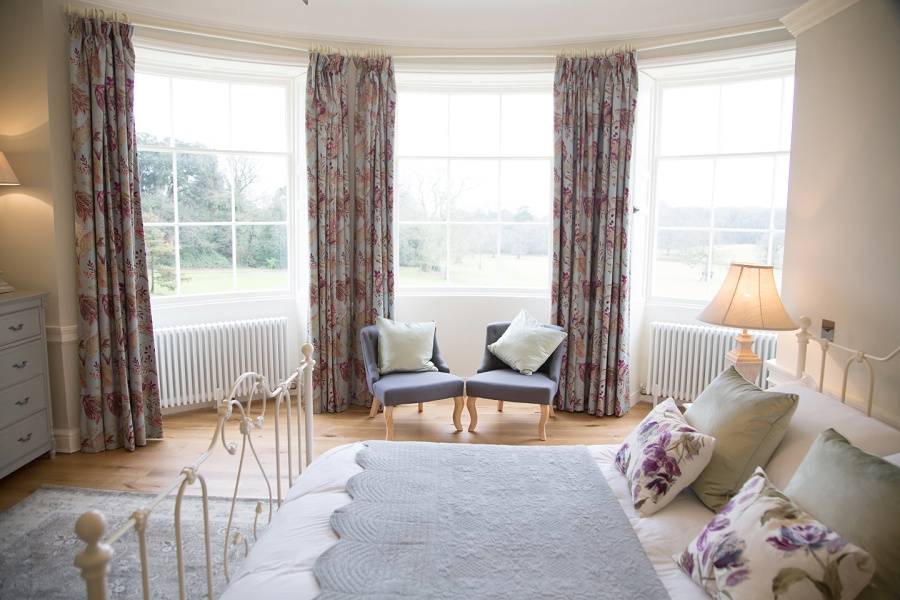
x=212, y=281
x=484, y=271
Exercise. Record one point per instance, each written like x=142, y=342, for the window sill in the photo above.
x=472, y=292
x=164, y=302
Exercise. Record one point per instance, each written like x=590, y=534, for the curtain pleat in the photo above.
x=350, y=173
x=120, y=405
x=594, y=105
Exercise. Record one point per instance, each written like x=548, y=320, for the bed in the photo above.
x=281, y=562
x=280, y=566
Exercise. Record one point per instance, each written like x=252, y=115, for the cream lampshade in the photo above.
x=7, y=177
x=748, y=299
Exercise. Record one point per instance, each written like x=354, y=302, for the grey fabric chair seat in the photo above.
x=511, y=386
x=409, y=388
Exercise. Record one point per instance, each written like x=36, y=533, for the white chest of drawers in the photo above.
x=26, y=426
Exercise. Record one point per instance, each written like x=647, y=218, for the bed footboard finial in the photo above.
x=803, y=337
x=93, y=561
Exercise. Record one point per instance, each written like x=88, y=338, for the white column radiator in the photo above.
x=198, y=363
x=685, y=358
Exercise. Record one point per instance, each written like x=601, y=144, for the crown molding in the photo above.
x=812, y=13
x=60, y=334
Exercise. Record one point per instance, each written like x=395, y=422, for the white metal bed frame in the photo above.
x=94, y=558
x=853, y=357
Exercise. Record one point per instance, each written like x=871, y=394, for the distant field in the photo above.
x=211, y=281
x=488, y=271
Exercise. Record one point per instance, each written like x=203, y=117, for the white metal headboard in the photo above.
x=94, y=559
x=853, y=357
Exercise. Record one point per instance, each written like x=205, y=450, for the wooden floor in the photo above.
x=187, y=435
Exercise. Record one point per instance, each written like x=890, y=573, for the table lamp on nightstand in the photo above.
x=7, y=177
x=747, y=299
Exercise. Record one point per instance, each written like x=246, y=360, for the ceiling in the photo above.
x=462, y=23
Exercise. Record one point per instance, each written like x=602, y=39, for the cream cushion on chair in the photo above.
x=404, y=347
x=526, y=344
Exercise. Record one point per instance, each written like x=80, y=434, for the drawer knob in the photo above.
x=20, y=365
x=17, y=327
x=25, y=438
x=23, y=401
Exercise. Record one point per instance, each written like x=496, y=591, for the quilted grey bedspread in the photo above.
x=478, y=521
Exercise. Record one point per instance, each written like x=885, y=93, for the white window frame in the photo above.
x=660, y=83
x=163, y=63
x=448, y=289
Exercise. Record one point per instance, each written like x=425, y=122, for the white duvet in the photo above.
x=280, y=565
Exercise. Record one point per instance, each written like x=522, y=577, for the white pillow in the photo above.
x=526, y=344
x=761, y=544
x=662, y=456
x=894, y=459
x=404, y=347
x=815, y=413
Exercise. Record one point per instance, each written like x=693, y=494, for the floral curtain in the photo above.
x=119, y=388
x=594, y=104
x=350, y=172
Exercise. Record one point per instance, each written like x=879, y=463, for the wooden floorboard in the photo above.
x=187, y=435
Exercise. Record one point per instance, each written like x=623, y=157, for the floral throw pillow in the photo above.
x=662, y=456
x=762, y=545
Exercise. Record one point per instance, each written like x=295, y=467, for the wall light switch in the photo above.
x=827, y=330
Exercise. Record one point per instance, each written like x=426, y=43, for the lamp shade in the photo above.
x=7, y=177
x=748, y=299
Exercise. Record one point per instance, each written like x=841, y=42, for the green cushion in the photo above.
x=857, y=495
x=748, y=425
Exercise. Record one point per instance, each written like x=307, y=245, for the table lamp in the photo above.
x=7, y=177
x=747, y=299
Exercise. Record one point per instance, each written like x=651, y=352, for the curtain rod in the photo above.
x=398, y=53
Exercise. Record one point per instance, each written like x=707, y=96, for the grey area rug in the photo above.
x=468, y=521
x=38, y=544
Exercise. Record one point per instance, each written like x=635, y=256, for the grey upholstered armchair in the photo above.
x=394, y=389
x=497, y=381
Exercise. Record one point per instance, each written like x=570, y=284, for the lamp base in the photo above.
x=743, y=359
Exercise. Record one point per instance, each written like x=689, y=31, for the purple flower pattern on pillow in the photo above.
x=657, y=453
x=762, y=544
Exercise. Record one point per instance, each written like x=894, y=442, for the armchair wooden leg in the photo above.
x=389, y=422
x=421, y=406
x=552, y=412
x=473, y=413
x=374, y=410
x=542, y=424
x=499, y=405
x=457, y=412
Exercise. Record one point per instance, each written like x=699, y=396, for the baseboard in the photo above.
x=67, y=441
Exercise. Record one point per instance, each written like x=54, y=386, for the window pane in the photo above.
x=526, y=125
x=690, y=120
x=205, y=259
x=422, y=189
x=779, y=207
x=423, y=254
x=787, y=113
x=473, y=190
x=684, y=189
x=473, y=255
x=526, y=192
x=524, y=256
x=204, y=187
x=151, y=109
x=160, y=243
x=751, y=115
x=260, y=188
x=680, y=266
x=743, y=192
x=259, y=117
x=422, y=128
x=737, y=246
x=201, y=113
x=262, y=257
x=778, y=252
x=157, y=199
x=474, y=124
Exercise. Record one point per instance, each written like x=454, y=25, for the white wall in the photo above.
x=842, y=246
x=37, y=248
x=461, y=321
